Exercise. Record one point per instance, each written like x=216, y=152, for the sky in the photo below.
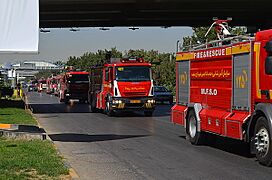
x=59, y=44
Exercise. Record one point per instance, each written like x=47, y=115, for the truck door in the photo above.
x=106, y=86
x=108, y=80
x=263, y=77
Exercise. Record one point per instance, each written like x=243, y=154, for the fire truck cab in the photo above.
x=51, y=84
x=122, y=84
x=224, y=87
x=74, y=85
x=42, y=85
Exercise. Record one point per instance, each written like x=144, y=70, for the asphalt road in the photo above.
x=132, y=146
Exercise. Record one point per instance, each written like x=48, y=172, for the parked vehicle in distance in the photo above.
x=162, y=94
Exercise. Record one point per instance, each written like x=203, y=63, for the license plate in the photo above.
x=135, y=101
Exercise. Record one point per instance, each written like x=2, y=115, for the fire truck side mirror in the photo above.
x=268, y=65
x=268, y=60
x=110, y=74
x=107, y=75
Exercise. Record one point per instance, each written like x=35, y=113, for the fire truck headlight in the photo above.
x=117, y=101
x=67, y=94
x=150, y=101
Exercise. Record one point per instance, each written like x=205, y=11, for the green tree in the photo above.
x=46, y=73
x=60, y=63
x=198, y=36
x=163, y=63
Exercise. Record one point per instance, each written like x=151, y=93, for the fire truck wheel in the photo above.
x=93, y=108
x=61, y=99
x=108, y=110
x=263, y=142
x=82, y=101
x=148, y=113
x=194, y=136
x=93, y=105
x=66, y=100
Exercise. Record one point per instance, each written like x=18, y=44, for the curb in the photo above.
x=22, y=131
x=9, y=126
x=22, y=135
x=72, y=173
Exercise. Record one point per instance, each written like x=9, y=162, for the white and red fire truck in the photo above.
x=122, y=85
x=224, y=87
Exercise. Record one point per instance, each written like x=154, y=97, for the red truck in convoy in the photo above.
x=42, y=86
x=58, y=84
x=74, y=85
x=122, y=84
x=224, y=87
x=51, y=84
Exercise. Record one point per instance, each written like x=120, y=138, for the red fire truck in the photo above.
x=51, y=84
x=74, y=85
x=122, y=84
x=58, y=84
x=42, y=86
x=224, y=87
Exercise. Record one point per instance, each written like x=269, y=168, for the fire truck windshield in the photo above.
x=133, y=73
x=78, y=78
x=54, y=81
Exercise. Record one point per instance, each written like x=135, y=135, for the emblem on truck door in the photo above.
x=241, y=80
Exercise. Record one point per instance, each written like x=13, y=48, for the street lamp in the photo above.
x=178, y=45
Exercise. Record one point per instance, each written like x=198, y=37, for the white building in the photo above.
x=29, y=68
x=35, y=65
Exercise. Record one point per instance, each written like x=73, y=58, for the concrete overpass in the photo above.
x=107, y=13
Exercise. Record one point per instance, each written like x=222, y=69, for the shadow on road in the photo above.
x=160, y=111
x=226, y=144
x=230, y=145
x=70, y=137
x=59, y=108
x=7, y=103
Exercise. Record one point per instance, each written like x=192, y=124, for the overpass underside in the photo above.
x=107, y=13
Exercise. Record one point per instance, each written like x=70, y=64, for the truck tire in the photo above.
x=60, y=97
x=108, y=110
x=195, y=137
x=263, y=144
x=93, y=105
x=66, y=100
x=82, y=101
x=148, y=113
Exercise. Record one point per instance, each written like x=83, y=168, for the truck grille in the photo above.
x=129, y=94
